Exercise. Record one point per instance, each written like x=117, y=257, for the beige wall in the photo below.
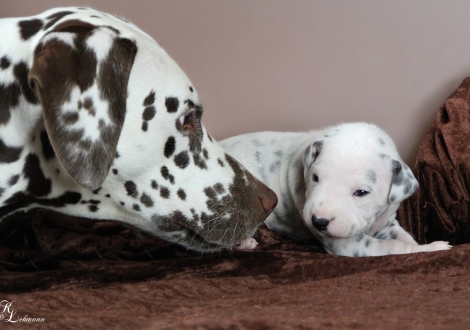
x=297, y=65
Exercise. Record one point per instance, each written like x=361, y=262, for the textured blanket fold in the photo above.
x=439, y=210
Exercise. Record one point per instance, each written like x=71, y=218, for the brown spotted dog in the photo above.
x=96, y=120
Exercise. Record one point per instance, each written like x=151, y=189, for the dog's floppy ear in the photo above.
x=404, y=182
x=80, y=73
x=310, y=154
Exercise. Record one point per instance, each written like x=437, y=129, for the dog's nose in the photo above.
x=320, y=223
x=269, y=201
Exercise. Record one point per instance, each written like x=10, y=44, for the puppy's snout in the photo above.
x=268, y=200
x=320, y=223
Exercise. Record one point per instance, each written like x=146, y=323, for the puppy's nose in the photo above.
x=320, y=223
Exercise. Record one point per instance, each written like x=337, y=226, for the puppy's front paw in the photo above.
x=247, y=244
x=434, y=246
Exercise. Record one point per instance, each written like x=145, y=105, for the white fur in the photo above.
x=347, y=159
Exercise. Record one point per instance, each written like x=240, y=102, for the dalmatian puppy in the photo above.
x=343, y=184
x=96, y=120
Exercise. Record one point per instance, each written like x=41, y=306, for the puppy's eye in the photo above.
x=185, y=121
x=315, y=178
x=360, y=193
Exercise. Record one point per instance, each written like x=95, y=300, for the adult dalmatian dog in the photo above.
x=343, y=184
x=96, y=120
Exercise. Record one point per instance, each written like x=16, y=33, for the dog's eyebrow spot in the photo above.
x=171, y=104
x=371, y=176
x=381, y=142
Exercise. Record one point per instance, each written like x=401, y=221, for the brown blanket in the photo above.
x=83, y=274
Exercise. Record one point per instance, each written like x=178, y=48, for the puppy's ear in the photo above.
x=80, y=74
x=404, y=182
x=310, y=154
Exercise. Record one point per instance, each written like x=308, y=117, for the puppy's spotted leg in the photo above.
x=393, y=230
x=363, y=245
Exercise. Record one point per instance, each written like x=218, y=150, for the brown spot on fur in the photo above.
x=181, y=194
x=55, y=17
x=171, y=104
x=38, y=185
x=9, y=154
x=150, y=99
x=146, y=200
x=29, y=28
x=4, y=63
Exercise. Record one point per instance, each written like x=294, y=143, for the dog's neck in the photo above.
x=292, y=188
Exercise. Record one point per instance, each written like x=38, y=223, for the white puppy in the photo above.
x=344, y=184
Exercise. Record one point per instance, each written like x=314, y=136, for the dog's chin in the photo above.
x=196, y=241
x=327, y=234
x=338, y=233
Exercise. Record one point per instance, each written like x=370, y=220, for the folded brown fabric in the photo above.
x=41, y=249
x=439, y=210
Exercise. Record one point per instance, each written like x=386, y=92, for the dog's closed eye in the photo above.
x=185, y=120
x=361, y=193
